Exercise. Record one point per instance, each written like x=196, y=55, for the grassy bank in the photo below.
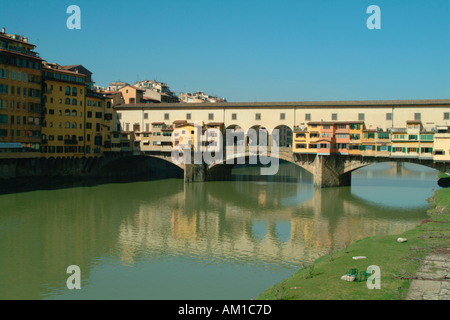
x=397, y=261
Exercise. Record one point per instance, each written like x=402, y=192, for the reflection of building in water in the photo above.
x=183, y=227
x=245, y=225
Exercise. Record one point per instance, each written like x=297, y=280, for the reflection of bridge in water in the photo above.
x=242, y=222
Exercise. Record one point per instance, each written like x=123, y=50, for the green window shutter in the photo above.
x=404, y=150
x=389, y=148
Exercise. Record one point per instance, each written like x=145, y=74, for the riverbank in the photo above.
x=399, y=262
x=21, y=175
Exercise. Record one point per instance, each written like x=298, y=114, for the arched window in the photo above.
x=74, y=102
x=74, y=125
x=74, y=113
x=67, y=100
x=68, y=90
x=74, y=91
x=67, y=112
x=60, y=101
x=67, y=126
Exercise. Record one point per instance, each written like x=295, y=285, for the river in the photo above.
x=162, y=239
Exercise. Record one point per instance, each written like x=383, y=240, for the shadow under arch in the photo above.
x=156, y=167
x=402, y=161
x=223, y=168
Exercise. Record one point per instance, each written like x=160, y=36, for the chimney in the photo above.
x=25, y=39
x=3, y=30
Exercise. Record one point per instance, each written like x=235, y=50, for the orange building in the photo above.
x=20, y=97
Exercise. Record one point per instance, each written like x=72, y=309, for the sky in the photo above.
x=246, y=51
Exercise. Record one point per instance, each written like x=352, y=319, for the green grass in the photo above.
x=397, y=261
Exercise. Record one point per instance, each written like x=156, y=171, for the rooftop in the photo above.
x=293, y=104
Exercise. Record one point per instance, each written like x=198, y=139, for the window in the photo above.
x=166, y=116
x=68, y=90
x=446, y=115
x=388, y=116
x=282, y=116
x=234, y=116
x=334, y=116
x=361, y=116
x=308, y=117
x=188, y=116
x=258, y=116
x=417, y=116
x=211, y=116
x=145, y=116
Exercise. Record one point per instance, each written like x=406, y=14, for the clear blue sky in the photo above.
x=250, y=50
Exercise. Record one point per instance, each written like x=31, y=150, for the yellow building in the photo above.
x=356, y=134
x=441, y=150
x=20, y=97
x=132, y=94
x=426, y=144
x=63, y=127
x=77, y=121
x=306, y=140
x=368, y=142
x=301, y=141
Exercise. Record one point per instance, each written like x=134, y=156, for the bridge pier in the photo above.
x=329, y=171
x=194, y=173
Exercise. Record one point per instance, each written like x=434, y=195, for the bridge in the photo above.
x=327, y=170
x=415, y=131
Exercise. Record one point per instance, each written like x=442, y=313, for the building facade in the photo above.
x=20, y=97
